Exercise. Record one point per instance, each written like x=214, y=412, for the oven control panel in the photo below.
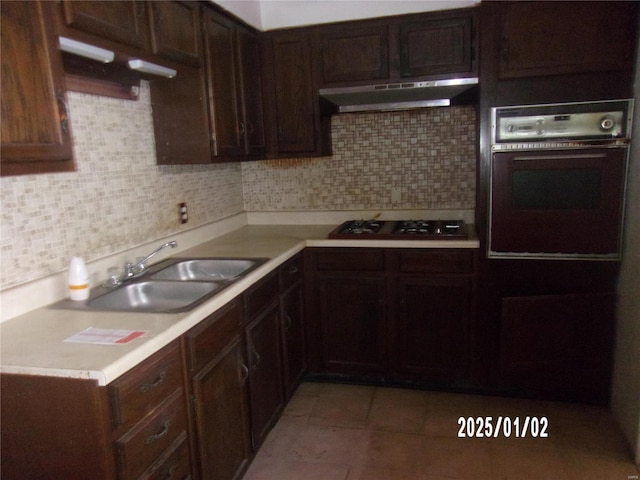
x=560, y=124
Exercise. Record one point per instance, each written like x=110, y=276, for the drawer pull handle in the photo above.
x=169, y=474
x=156, y=382
x=160, y=434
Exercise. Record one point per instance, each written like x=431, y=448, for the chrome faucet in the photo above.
x=131, y=270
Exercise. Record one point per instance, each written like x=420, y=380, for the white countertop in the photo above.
x=34, y=344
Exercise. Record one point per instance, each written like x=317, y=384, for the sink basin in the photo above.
x=207, y=269
x=171, y=286
x=152, y=296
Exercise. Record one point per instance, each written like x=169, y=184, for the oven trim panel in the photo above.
x=540, y=144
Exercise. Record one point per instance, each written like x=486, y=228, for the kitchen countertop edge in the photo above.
x=280, y=242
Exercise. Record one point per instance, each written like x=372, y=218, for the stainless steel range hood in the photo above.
x=398, y=96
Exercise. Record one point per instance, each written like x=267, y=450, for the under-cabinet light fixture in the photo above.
x=85, y=50
x=148, y=67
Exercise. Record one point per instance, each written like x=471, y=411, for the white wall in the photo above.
x=272, y=14
x=625, y=401
x=247, y=10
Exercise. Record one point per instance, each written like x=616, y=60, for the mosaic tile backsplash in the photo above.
x=119, y=198
x=417, y=159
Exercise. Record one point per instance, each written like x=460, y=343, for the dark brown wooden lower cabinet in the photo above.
x=351, y=311
x=55, y=428
x=66, y=428
x=558, y=345
x=216, y=360
x=293, y=334
x=392, y=315
x=265, y=377
x=434, y=328
x=222, y=415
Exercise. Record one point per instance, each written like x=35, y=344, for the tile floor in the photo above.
x=350, y=432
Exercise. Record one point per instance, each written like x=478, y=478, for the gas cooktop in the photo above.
x=401, y=230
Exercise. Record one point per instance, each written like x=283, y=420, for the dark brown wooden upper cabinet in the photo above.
x=553, y=38
x=35, y=125
x=180, y=118
x=295, y=107
x=434, y=47
x=417, y=46
x=120, y=21
x=223, y=85
x=250, y=62
x=358, y=53
x=175, y=31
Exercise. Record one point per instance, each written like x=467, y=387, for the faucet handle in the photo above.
x=114, y=277
x=139, y=266
x=128, y=270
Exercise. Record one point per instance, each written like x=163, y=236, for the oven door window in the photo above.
x=557, y=201
x=556, y=189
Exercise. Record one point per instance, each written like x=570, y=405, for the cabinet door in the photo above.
x=265, y=379
x=121, y=21
x=250, y=63
x=552, y=38
x=352, y=312
x=295, y=95
x=175, y=32
x=432, y=47
x=223, y=85
x=354, y=53
x=180, y=119
x=292, y=305
x=558, y=346
x=35, y=125
x=222, y=427
x=434, y=327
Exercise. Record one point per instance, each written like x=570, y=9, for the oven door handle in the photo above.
x=524, y=158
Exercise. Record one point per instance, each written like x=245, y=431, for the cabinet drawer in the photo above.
x=174, y=465
x=345, y=259
x=208, y=338
x=436, y=261
x=139, y=391
x=291, y=272
x=140, y=447
x=261, y=295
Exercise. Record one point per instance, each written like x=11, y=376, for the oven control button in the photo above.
x=607, y=123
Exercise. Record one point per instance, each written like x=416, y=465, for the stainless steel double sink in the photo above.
x=172, y=286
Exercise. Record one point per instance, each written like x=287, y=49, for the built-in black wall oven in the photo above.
x=558, y=175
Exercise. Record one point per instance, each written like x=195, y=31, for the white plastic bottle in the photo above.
x=78, y=279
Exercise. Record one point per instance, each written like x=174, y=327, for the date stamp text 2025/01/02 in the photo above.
x=507, y=427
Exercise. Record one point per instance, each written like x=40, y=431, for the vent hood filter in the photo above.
x=397, y=96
